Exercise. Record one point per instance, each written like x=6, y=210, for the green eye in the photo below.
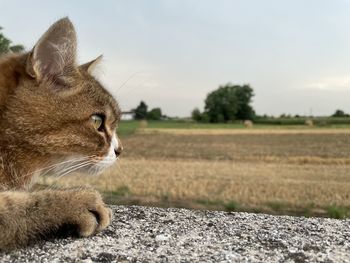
x=97, y=121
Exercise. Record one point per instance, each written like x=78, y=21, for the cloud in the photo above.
x=331, y=83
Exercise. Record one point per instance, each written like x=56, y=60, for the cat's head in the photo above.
x=58, y=110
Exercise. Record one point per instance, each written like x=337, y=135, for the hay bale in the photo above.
x=143, y=124
x=248, y=124
x=309, y=123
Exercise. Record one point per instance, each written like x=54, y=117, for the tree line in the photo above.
x=141, y=112
x=226, y=104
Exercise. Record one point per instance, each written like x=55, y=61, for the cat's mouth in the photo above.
x=99, y=164
x=94, y=168
x=111, y=157
x=92, y=165
x=102, y=163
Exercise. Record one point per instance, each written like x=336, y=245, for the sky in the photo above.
x=171, y=54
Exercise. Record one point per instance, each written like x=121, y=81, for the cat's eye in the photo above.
x=97, y=121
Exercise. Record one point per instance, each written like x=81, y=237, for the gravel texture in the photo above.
x=144, y=234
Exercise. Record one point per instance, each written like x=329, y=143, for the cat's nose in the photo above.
x=118, y=151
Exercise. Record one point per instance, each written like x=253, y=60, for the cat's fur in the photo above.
x=46, y=104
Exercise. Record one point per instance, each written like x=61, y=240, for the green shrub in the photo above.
x=122, y=191
x=231, y=206
x=337, y=212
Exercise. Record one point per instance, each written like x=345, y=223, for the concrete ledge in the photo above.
x=140, y=234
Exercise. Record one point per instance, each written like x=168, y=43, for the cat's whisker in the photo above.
x=73, y=169
x=103, y=163
x=71, y=164
x=106, y=160
x=63, y=171
x=53, y=166
x=128, y=79
x=67, y=163
x=70, y=170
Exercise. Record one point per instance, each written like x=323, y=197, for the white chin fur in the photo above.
x=110, y=158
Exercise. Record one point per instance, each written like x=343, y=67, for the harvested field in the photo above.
x=287, y=173
x=287, y=147
x=228, y=131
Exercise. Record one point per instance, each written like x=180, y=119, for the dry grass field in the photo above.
x=300, y=172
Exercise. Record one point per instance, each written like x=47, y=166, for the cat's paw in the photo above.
x=88, y=212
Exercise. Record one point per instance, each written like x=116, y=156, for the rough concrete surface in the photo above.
x=143, y=234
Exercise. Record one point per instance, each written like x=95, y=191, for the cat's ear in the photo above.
x=90, y=66
x=54, y=52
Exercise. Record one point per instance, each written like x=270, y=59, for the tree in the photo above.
x=154, y=114
x=140, y=112
x=340, y=114
x=196, y=115
x=205, y=117
x=229, y=103
x=5, y=45
x=245, y=110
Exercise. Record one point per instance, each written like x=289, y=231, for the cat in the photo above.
x=54, y=116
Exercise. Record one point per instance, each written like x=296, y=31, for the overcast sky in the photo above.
x=295, y=54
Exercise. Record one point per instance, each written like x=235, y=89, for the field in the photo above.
x=294, y=170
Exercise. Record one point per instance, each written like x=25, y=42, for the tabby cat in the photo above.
x=54, y=117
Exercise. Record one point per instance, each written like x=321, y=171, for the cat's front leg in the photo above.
x=25, y=217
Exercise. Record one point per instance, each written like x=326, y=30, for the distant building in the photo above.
x=127, y=115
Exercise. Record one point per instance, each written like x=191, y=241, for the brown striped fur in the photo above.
x=46, y=104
